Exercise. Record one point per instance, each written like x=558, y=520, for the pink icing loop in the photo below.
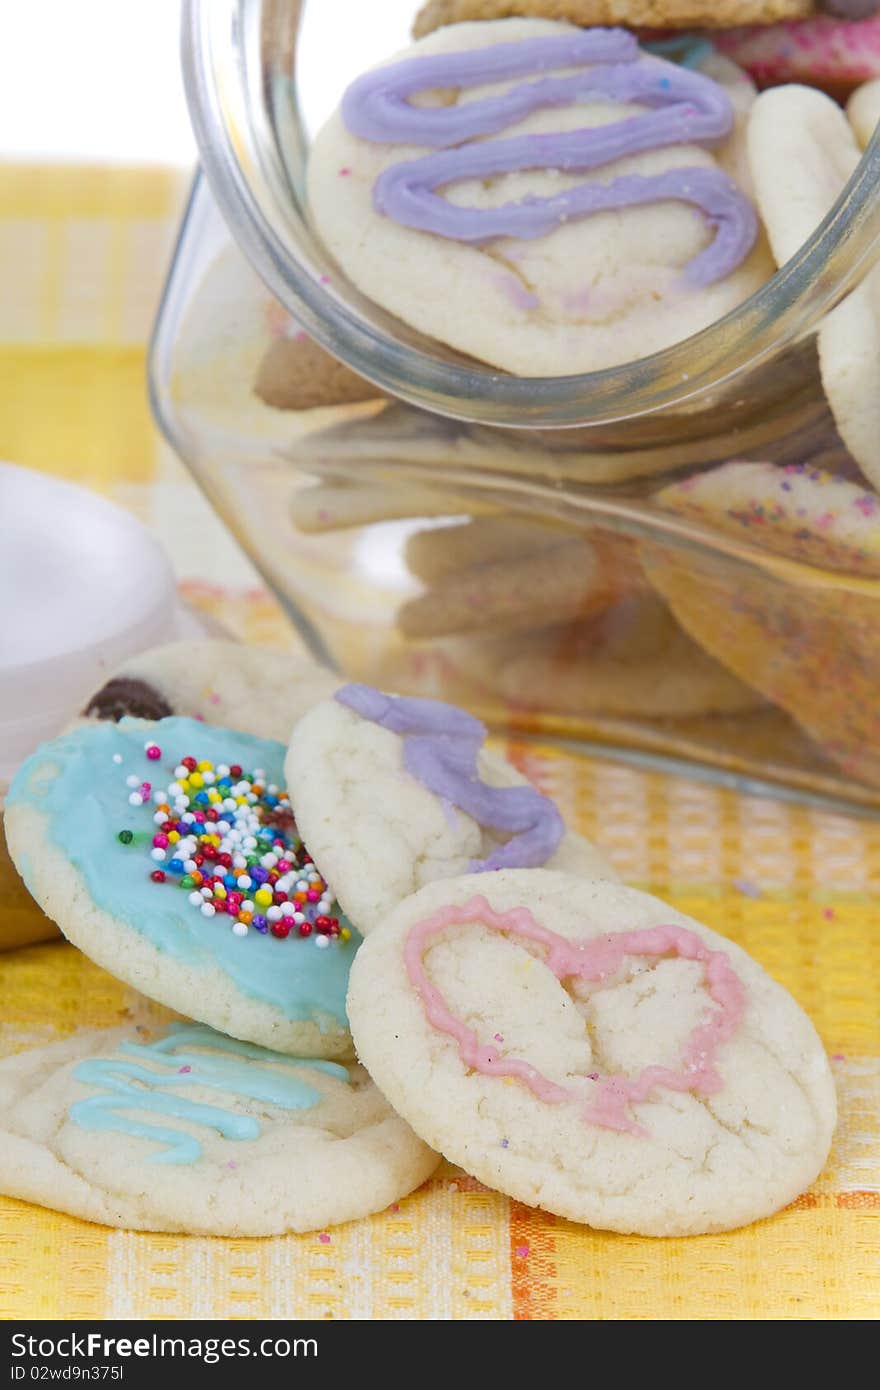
x=610, y=1098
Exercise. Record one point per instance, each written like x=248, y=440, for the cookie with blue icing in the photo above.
x=392, y=792
x=188, y=1130
x=168, y=852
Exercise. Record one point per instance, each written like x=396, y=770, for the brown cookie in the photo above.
x=558, y=584
x=297, y=374
x=641, y=14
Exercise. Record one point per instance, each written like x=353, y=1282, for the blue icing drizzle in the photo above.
x=139, y=1088
x=688, y=50
x=74, y=783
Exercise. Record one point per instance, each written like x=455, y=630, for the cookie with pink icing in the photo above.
x=837, y=48
x=587, y=1049
x=798, y=583
x=544, y=198
x=395, y=792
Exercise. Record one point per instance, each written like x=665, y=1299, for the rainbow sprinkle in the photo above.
x=228, y=838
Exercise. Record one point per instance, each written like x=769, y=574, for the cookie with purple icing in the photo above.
x=392, y=792
x=797, y=592
x=547, y=199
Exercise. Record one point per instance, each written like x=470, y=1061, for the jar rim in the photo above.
x=228, y=88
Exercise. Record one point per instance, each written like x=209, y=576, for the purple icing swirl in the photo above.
x=441, y=745
x=687, y=108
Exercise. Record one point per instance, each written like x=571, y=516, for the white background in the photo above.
x=100, y=79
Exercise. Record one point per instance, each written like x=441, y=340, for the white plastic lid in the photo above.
x=83, y=586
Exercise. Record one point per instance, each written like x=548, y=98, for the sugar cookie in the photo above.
x=835, y=51
x=633, y=661
x=585, y=1048
x=522, y=262
x=168, y=853
x=392, y=793
x=863, y=111
x=810, y=648
x=256, y=690
x=802, y=151
x=192, y=1131
x=646, y=14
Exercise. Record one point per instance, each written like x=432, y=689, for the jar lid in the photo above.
x=83, y=586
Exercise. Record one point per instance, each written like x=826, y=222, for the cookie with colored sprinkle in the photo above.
x=835, y=50
x=586, y=1049
x=256, y=690
x=392, y=793
x=168, y=852
x=797, y=591
x=188, y=1130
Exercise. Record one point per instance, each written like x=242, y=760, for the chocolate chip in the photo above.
x=125, y=695
x=850, y=9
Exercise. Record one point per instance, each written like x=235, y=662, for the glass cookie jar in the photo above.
x=676, y=558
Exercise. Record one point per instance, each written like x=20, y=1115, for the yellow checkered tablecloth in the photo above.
x=84, y=252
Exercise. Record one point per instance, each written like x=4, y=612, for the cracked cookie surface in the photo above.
x=517, y=1085
x=307, y=1144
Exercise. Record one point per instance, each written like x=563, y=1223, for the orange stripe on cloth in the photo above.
x=532, y=1264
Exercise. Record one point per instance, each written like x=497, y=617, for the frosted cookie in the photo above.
x=571, y=234
x=835, y=50
x=647, y=14
x=253, y=689
x=812, y=649
x=392, y=793
x=586, y=1049
x=633, y=661
x=863, y=111
x=803, y=151
x=169, y=854
x=192, y=1131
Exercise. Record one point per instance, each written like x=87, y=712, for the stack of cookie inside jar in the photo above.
x=307, y=871
x=609, y=468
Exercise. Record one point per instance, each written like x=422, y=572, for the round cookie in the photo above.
x=508, y=265
x=863, y=111
x=296, y=373
x=364, y=802
x=215, y=923
x=812, y=648
x=256, y=690
x=634, y=662
x=835, y=51
x=647, y=14
x=802, y=152
x=586, y=1049
x=192, y=1131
